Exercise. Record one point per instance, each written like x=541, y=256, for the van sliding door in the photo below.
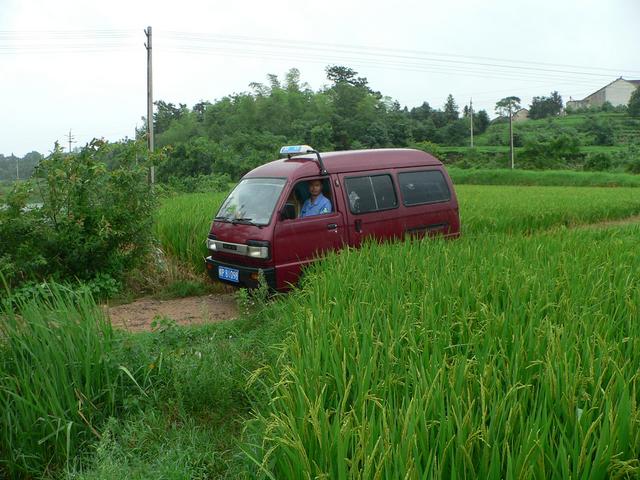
x=372, y=206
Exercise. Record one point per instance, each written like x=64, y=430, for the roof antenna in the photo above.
x=291, y=150
x=323, y=171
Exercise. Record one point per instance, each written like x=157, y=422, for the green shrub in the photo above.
x=598, y=162
x=561, y=148
x=600, y=129
x=92, y=220
x=429, y=147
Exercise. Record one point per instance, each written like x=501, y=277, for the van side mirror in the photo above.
x=288, y=212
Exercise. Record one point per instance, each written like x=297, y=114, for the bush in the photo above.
x=598, y=162
x=634, y=103
x=91, y=220
x=601, y=130
x=429, y=147
x=561, y=149
x=633, y=158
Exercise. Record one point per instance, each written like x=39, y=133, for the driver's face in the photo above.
x=315, y=188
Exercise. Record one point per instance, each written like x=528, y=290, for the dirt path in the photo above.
x=612, y=223
x=137, y=316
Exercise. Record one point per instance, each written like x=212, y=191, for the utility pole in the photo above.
x=511, y=135
x=147, y=45
x=471, y=116
x=71, y=140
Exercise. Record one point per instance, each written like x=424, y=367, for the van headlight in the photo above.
x=211, y=244
x=258, y=252
x=258, y=249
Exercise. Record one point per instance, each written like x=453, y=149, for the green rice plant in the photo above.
x=58, y=380
x=183, y=223
x=499, y=176
x=510, y=209
x=487, y=357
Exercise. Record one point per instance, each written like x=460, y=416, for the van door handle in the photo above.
x=332, y=226
x=358, y=226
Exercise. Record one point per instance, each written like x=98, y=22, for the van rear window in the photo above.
x=428, y=186
x=371, y=193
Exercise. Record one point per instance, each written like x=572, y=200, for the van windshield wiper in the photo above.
x=247, y=221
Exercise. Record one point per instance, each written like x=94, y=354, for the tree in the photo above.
x=506, y=107
x=480, y=121
x=634, y=103
x=354, y=108
x=422, y=112
x=339, y=74
x=542, y=107
x=165, y=114
x=451, y=112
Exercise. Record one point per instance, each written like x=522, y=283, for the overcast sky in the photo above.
x=81, y=65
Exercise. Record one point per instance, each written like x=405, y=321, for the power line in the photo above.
x=416, y=67
x=203, y=40
x=367, y=48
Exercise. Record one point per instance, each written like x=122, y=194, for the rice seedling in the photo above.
x=499, y=176
x=487, y=357
x=510, y=209
x=183, y=223
x=58, y=380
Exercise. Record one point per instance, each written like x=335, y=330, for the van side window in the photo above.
x=299, y=203
x=428, y=186
x=371, y=193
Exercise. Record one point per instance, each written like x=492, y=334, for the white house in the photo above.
x=616, y=93
x=521, y=115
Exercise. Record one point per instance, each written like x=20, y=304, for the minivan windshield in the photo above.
x=252, y=201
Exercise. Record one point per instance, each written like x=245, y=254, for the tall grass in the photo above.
x=499, y=176
x=58, y=381
x=487, y=357
x=510, y=209
x=183, y=223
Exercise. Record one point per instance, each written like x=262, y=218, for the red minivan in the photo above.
x=287, y=213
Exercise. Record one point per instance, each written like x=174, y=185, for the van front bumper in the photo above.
x=247, y=276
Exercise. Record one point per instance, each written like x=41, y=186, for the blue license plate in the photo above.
x=230, y=274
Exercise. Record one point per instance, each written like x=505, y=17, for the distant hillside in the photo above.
x=592, y=142
x=623, y=128
x=25, y=166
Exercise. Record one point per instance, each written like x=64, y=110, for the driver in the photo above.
x=317, y=203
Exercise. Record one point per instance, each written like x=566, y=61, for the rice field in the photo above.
x=542, y=178
x=510, y=353
x=514, y=209
x=513, y=352
x=183, y=224
x=183, y=221
x=487, y=357
x=58, y=382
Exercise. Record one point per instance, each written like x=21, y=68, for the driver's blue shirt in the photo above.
x=320, y=206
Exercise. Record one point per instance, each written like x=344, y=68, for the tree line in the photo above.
x=241, y=131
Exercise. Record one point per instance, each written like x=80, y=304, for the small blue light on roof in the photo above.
x=295, y=149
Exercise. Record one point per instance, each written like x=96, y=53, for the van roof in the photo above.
x=344, y=162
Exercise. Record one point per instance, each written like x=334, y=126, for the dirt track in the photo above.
x=137, y=316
